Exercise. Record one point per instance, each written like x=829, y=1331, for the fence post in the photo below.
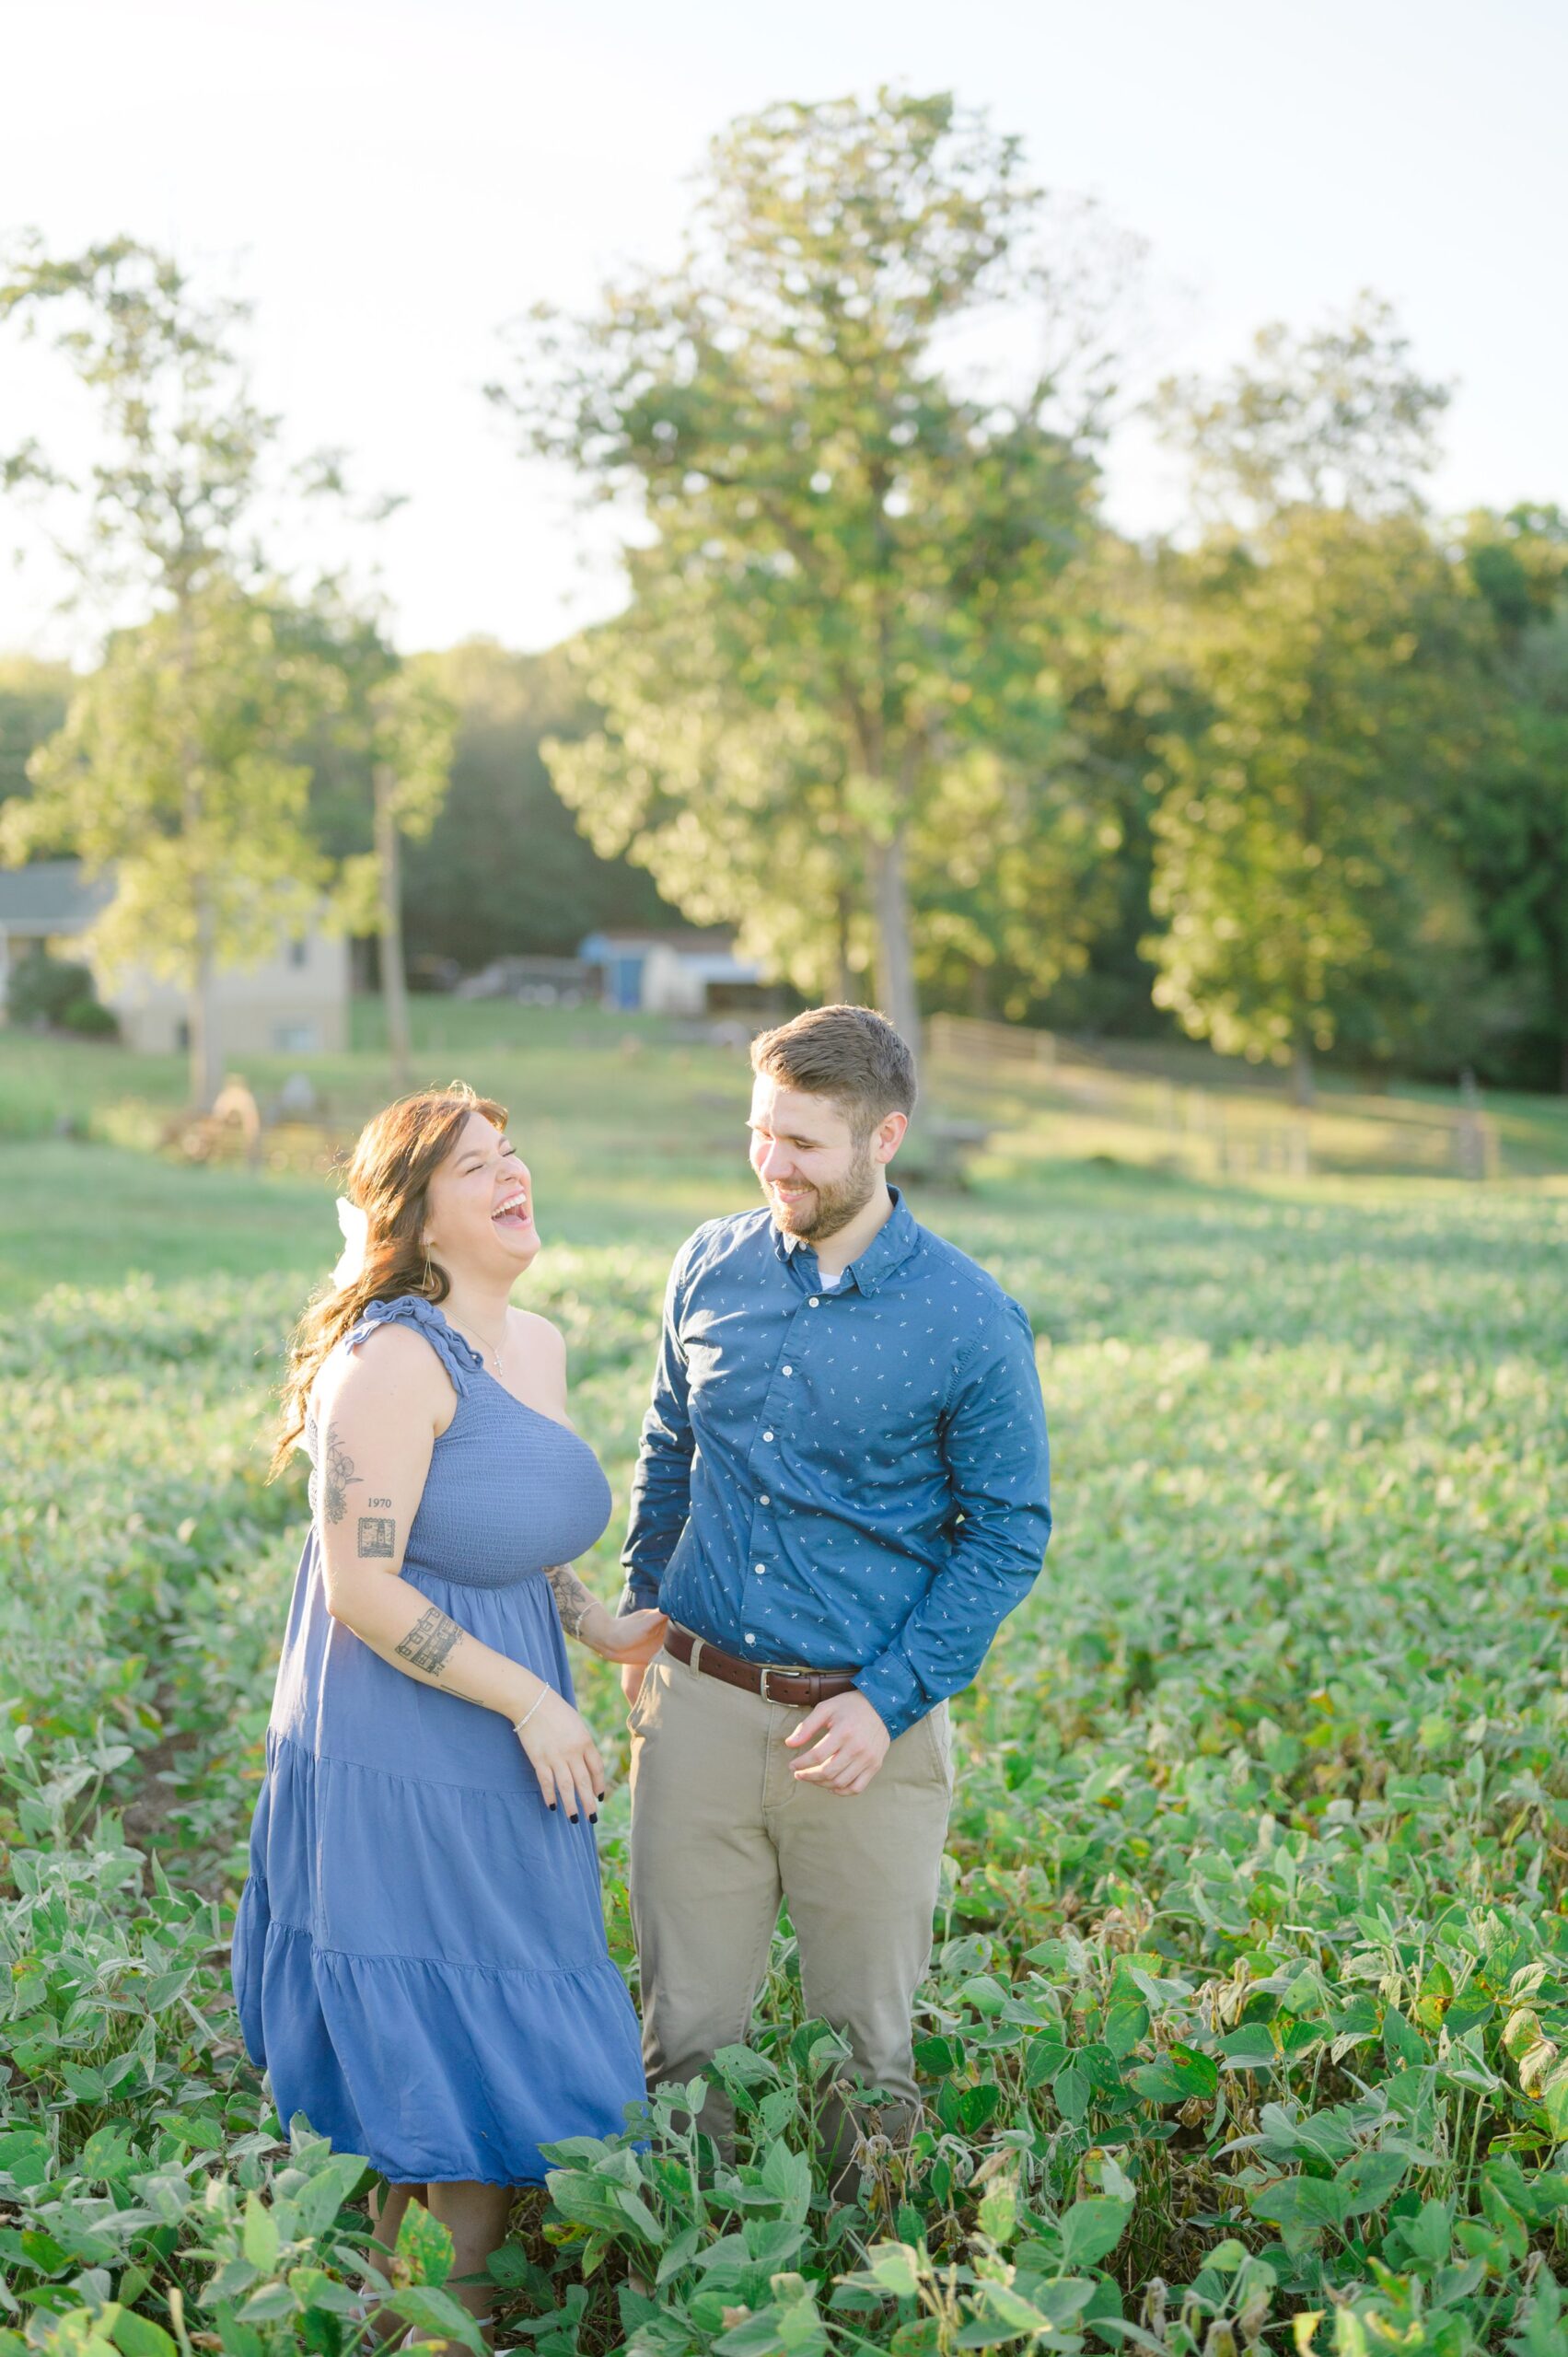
x=1476, y=1153
x=1301, y=1146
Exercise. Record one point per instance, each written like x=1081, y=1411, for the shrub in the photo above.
x=58, y=992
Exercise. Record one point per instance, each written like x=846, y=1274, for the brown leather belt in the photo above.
x=804, y=1687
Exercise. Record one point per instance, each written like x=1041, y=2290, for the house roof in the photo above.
x=687, y=941
x=50, y=896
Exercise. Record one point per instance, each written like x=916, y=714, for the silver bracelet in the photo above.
x=518, y=1725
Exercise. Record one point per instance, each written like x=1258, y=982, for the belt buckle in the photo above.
x=782, y=1670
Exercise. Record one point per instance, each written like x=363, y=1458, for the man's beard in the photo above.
x=824, y=1210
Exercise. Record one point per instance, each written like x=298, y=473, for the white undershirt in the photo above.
x=831, y=1284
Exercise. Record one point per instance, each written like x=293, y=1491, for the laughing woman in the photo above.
x=420, y=1959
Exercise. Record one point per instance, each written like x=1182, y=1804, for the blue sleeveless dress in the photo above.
x=419, y=1956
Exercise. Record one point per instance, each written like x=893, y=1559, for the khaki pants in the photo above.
x=720, y=1831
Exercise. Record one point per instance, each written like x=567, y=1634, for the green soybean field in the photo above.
x=1247, y=2024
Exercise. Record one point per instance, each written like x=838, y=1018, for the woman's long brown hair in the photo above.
x=388, y=1177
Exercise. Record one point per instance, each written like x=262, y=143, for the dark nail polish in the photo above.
x=552, y=1805
x=592, y=1816
x=601, y=1796
x=572, y=1816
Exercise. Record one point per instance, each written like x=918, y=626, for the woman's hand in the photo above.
x=564, y=1756
x=629, y=1638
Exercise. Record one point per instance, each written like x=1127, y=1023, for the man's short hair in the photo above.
x=851, y=1054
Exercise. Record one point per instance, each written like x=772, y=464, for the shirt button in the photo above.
x=767, y=1435
x=760, y=1569
x=789, y=1370
x=765, y=1500
x=749, y=1638
x=815, y=1303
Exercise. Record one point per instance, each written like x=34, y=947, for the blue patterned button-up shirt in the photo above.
x=852, y=1479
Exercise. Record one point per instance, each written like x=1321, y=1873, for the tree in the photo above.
x=381, y=772
x=1514, y=812
x=1304, y=857
x=842, y=623
x=1337, y=418
x=33, y=697
x=172, y=523
x=1305, y=861
x=168, y=770
x=505, y=869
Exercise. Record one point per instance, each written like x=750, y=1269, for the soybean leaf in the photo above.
x=1369, y=2181
x=424, y=2246
x=1091, y=2228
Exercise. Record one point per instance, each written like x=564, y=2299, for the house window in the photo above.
x=296, y=1039
x=299, y=952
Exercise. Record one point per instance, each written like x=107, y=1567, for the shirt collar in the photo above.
x=889, y=1249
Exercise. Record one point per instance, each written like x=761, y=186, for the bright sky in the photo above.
x=391, y=179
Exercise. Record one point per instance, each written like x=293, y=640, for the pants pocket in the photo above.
x=939, y=1726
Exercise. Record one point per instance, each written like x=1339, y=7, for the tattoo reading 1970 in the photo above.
x=430, y=1641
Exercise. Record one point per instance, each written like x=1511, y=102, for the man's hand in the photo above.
x=849, y=1743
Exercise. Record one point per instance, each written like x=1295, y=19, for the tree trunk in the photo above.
x=202, y=1018
x=1301, y=1081
x=388, y=873
x=202, y=1021
x=841, y=935
x=895, y=953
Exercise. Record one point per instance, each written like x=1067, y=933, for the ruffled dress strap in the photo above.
x=460, y=1359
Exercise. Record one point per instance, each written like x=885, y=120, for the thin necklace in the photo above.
x=492, y=1346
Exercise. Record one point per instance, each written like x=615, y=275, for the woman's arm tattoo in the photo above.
x=337, y=1473
x=571, y=1599
x=430, y=1641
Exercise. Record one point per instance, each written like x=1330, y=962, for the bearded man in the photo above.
x=842, y=1487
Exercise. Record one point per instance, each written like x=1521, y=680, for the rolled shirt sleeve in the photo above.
x=997, y=1453
x=661, y=1486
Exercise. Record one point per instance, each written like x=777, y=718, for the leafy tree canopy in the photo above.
x=33, y=697
x=172, y=769
x=1338, y=417
x=845, y=608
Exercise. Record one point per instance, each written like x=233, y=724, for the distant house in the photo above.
x=45, y=906
x=675, y=971
x=293, y=1003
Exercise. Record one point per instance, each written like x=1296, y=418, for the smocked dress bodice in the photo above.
x=510, y=1491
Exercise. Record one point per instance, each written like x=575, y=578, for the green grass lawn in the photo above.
x=633, y=1132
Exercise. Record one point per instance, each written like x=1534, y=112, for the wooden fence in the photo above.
x=1233, y=1123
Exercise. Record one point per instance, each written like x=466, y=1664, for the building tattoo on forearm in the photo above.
x=571, y=1599
x=430, y=1641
